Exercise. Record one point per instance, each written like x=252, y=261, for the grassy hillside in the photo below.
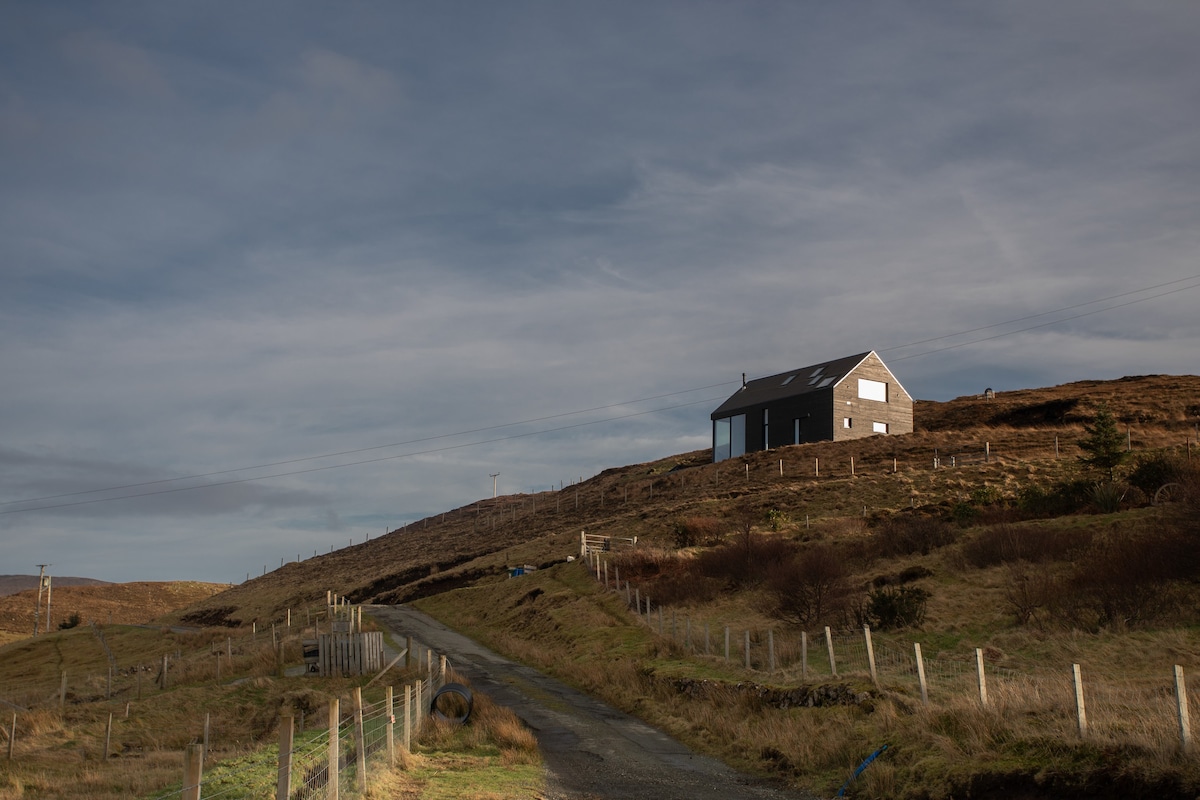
x=985, y=514
x=1031, y=436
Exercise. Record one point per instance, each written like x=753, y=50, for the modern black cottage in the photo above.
x=847, y=398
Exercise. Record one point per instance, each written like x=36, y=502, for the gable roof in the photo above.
x=813, y=378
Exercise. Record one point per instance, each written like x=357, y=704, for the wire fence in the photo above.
x=1100, y=702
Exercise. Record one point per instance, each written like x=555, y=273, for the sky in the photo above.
x=541, y=239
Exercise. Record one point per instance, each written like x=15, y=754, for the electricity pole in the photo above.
x=493, y=476
x=37, y=615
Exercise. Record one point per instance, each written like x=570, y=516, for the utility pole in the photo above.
x=37, y=615
x=493, y=476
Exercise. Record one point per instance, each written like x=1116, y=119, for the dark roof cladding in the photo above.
x=789, y=384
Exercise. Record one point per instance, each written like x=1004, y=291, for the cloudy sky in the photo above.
x=542, y=239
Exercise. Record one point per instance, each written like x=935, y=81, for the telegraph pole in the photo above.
x=493, y=476
x=37, y=615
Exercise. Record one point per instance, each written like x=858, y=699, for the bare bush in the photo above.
x=745, y=561
x=810, y=587
x=693, y=531
x=1007, y=544
x=1030, y=593
x=906, y=535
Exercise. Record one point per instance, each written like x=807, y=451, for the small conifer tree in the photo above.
x=1103, y=447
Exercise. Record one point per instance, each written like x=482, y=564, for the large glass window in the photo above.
x=720, y=439
x=872, y=390
x=729, y=437
x=737, y=436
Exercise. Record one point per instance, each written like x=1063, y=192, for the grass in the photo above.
x=1026, y=740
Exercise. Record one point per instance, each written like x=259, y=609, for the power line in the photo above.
x=1041, y=325
x=1043, y=314
x=561, y=415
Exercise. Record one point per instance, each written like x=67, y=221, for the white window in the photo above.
x=846, y=422
x=872, y=390
x=879, y=427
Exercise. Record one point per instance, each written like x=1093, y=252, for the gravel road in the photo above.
x=592, y=751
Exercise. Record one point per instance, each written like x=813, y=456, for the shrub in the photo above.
x=777, y=519
x=986, y=496
x=963, y=514
x=809, y=588
x=1125, y=579
x=1107, y=497
x=70, y=622
x=1059, y=500
x=692, y=531
x=745, y=561
x=906, y=535
x=888, y=608
x=1153, y=470
x=1030, y=593
x=1005, y=544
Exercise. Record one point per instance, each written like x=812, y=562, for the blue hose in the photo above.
x=857, y=772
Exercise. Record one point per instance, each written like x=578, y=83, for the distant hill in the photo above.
x=97, y=601
x=11, y=584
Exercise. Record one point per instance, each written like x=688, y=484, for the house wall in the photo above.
x=896, y=413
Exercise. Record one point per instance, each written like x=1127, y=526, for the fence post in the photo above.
x=921, y=674
x=1080, y=711
x=1185, y=724
x=726, y=644
x=62, y=687
x=335, y=749
x=193, y=769
x=804, y=655
x=360, y=741
x=781, y=467
x=12, y=737
x=407, y=730
x=747, y=638
x=851, y=466
x=207, y=725
x=982, y=679
x=390, y=716
x=283, y=787
x=829, y=647
x=870, y=655
x=419, y=716
x=108, y=736
x=816, y=467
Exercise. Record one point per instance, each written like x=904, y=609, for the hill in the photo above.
x=11, y=584
x=121, y=603
x=1019, y=438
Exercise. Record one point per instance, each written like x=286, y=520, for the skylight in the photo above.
x=788, y=380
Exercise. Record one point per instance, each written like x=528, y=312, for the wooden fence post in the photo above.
x=12, y=737
x=1080, y=711
x=982, y=679
x=390, y=716
x=816, y=467
x=283, y=786
x=921, y=674
x=407, y=729
x=829, y=647
x=747, y=638
x=360, y=741
x=207, y=724
x=335, y=749
x=107, y=736
x=870, y=655
x=1185, y=723
x=193, y=770
x=726, y=644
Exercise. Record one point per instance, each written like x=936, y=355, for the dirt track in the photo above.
x=592, y=751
